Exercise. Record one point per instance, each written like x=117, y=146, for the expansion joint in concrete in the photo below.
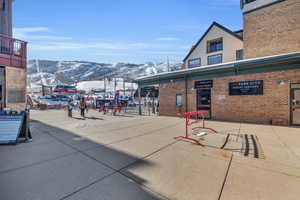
x=225, y=179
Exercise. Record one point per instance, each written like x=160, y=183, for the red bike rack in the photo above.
x=190, y=121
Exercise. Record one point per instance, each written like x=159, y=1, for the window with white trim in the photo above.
x=215, y=45
x=178, y=99
x=194, y=63
x=215, y=59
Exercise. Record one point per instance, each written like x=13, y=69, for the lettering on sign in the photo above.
x=204, y=84
x=255, y=87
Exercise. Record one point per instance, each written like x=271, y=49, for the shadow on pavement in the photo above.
x=60, y=164
x=94, y=118
x=78, y=118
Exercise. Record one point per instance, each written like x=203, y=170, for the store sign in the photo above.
x=246, y=88
x=204, y=84
x=149, y=92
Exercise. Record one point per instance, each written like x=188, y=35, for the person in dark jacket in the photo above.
x=82, y=107
x=70, y=107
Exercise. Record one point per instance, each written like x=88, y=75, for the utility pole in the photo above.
x=132, y=89
x=124, y=87
x=168, y=63
x=139, y=95
x=104, y=88
x=115, y=85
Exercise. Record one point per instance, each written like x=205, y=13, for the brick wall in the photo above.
x=250, y=108
x=167, y=96
x=272, y=30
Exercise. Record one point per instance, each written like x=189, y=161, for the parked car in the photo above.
x=59, y=97
x=65, y=89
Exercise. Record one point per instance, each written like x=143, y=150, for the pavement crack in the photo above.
x=226, y=176
x=37, y=163
x=87, y=186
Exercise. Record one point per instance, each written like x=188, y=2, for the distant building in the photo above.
x=12, y=62
x=261, y=84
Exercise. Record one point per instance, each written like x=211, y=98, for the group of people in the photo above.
x=82, y=107
x=109, y=105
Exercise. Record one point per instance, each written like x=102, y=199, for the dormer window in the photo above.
x=215, y=45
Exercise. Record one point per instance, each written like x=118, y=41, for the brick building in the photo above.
x=12, y=62
x=262, y=83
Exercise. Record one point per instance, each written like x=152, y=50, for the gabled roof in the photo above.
x=203, y=36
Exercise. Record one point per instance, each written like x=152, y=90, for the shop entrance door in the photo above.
x=2, y=87
x=204, y=101
x=296, y=106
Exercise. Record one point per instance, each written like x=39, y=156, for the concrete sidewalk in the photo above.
x=131, y=157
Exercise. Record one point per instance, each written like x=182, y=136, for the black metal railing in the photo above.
x=12, y=46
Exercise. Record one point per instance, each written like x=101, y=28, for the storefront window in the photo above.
x=178, y=99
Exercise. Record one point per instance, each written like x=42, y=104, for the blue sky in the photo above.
x=133, y=31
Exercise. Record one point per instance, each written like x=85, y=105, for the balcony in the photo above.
x=13, y=52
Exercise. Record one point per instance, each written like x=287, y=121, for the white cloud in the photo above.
x=46, y=37
x=36, y=33
x=25, y=30
x=51, y=46
x=167, y=39
x=165, y=52
x=21, y=33
x=112, y=54
x=74, y=45
x=42, y=39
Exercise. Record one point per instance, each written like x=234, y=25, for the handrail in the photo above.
x=13, y=52
x=8, y=37
x=12, y=46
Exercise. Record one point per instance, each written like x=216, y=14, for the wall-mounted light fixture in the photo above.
x=281, y=82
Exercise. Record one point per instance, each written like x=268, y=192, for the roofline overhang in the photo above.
x=255, y=62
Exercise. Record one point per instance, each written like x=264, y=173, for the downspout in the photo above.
x=236, y=70
x=158, y=95
x=186, y=94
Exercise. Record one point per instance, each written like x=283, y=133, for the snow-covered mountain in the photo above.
x=69, y=72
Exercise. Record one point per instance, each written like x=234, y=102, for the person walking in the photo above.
x=105, y=108
x=82, y=107
x=70, y=107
